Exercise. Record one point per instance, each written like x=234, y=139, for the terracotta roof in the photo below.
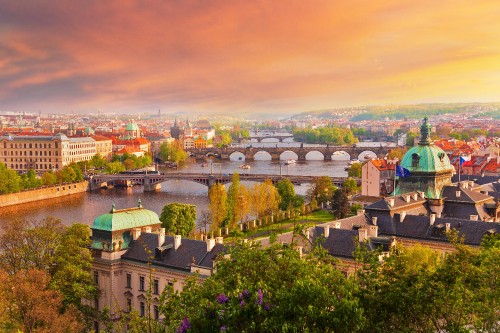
x=382, y=164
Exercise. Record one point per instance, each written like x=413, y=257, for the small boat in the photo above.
x=351, y=162
x=245, y=166
x=290, y=161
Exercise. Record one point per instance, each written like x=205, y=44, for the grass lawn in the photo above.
x=317, y=217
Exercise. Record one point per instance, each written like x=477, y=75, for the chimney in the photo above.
x=415, y=196
x=407, y=198
x=360, y=212
x=177, y=241
x=372, y=231
x=326, y=232
x=390, y=201
x=161, y=237
x=148, y=230
x=432, y=219
x=136, y=233
x=474, y=217
x=457, y=194
x=362, y=235
x=374, y=220
x=471, y=184
x=210, y=244
x=465, y=184
x=438, y=215
x=447, y=227
x=402, y=216
x=338, y=225
x=219, y=240
x=308, y=233
x=422, y=195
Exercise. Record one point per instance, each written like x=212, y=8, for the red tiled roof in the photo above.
x=382, y=165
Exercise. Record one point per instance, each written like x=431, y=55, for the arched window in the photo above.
x=415, y=158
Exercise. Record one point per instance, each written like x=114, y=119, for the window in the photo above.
x=129, y=280
x=170, y=283
x=129, y=304
x=156, y=312
x=141, y=283
x=414, y=160
x=156, y=287
x=142, y=309
x=96, y=277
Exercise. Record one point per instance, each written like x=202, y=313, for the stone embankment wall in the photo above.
x=42, y=193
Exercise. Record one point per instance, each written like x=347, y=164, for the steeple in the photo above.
x=425, y=133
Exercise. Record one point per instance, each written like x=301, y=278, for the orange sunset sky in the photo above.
x=245, y=57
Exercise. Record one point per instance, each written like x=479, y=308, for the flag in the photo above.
x=402, y=172
x=464, y=159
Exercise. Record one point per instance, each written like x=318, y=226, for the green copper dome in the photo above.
x=126, y=219
x=426, y=157
x=132, y=127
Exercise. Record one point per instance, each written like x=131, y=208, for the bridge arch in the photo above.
x=366, y=155
x=288, y=154
x=315, y=155
x=270, y=140
x=237, y=156
x=262, y=156
x=341, y=155
x=288, y=139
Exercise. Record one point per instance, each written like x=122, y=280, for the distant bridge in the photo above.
x=153, y=182
x=301, y=152
x=278, y=136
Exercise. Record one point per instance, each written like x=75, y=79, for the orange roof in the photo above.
x=492, y=166
x=382, y=164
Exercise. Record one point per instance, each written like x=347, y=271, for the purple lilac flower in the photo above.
x=246, y=293
x=185, y=325
x=222, y=299
x=267, y=306
x=240, y=296
x=223, y=328
x=260, y=297
x=242, y=303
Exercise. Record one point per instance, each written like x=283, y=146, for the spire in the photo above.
x=112, y=208
x=425, y=133
x=175, y=122
x=139, y=203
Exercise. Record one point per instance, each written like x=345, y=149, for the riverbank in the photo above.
x=42, y=193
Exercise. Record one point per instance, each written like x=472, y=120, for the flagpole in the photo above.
x=459, y=168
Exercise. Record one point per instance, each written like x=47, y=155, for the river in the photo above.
x=85, y=207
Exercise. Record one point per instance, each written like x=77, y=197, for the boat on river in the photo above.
x=290, y=161
x=245, y=166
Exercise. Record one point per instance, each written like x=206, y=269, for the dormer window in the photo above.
x=415, y=158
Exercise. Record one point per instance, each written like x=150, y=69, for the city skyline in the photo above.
x=257, y=57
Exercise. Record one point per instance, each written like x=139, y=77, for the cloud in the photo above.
x=244, y=56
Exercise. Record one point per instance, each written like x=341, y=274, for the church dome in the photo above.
x=126, y=219
x=132, y=127
x=426, y=158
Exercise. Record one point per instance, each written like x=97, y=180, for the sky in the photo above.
x=241, y=57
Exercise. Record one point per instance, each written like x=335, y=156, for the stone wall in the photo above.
x=42, y=194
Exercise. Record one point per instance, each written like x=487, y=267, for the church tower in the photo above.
x=175, y=131
x=429, y=166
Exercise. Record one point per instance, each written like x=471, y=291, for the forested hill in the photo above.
x=414, y=111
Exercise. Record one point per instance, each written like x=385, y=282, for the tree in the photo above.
x=286, y=191
x=30, y=305
x=10, y=182
x=62, y=252
x=410, y=139
x=49, y=178
x=98, y=161
x=397, y=153
x=264, y=199
x=351, y=186
x=340, y=203
x=218, y=205
x=266, y=290
x=178, y=218
x=173, y=152
x=355, y=170
x=322, y=189
x=115, y=167
x=237, y=202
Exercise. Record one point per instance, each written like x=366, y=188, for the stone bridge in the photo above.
x=259, y=138
x=301, y=152
x=153, y=182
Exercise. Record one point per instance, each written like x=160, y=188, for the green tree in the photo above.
x=98, y=162
x=340, y=203
x=49, y=178
x=178, y=218
x=236, y=202
x=115, y=167
x=351, y=186
x=410, y=139
x=217, y=196
x=266, y=290
x=172, y=152
x=355, y=170
x=264, y=199
x=10, y=182
x=322, y=189
x=397, y=153
x=286, y=191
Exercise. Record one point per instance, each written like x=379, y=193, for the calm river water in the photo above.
x=85, y=207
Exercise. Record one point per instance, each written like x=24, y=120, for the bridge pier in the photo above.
x=150, y=186
x=94, y=184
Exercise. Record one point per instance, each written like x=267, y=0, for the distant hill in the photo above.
x=412, y=111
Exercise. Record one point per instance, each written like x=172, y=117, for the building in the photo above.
x=43, y=152
x=377, y=178
x=133, y=256
x=103, y=146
